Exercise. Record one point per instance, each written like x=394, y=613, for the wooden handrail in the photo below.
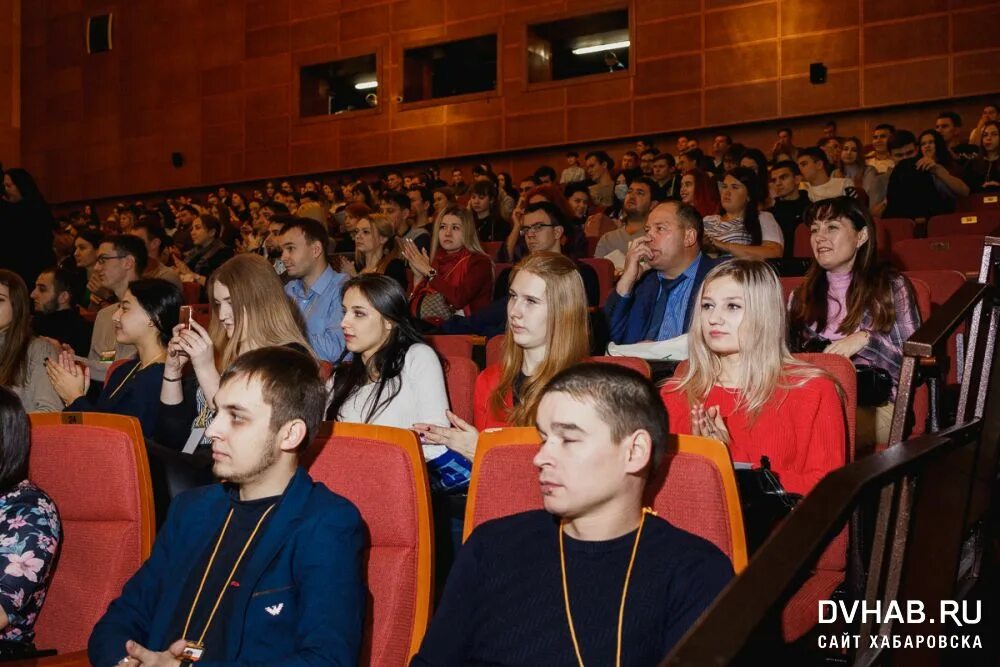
x=730, y=623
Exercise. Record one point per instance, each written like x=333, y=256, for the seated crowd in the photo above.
x=230, y=327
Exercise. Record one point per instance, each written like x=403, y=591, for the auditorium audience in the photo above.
x=86, y=249
x=654, y=298
x=396, y=207
x=744, y=388
x=31, y=533
x=700, y=190
x=28, y=226
x=289, y=543
x=572, y=172
x=574, y=241
x=912, y=192
x=208, y=253
x=817, y=180
x=666, y=177
x=790, y=202
x=456, y=278
x=603, y=433
x=639, y=201
x=120, y=261
x=599, y=165
x=982, y=173
x=991, y=112
x=314, y=286
x=743, y=230
x=485, y=206
x=56, y=315
x=937, y=160
x=949, y=126
x=376, y=250
x=143, y=319
x=880, y=158
x=544, y=228
x=850, y=304
x=250, y=310
x=155, y=237
x=23, y=357
x=854, y=167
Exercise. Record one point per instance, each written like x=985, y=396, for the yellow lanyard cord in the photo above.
x=138, y=367
x=621, y=608
x=229, y=579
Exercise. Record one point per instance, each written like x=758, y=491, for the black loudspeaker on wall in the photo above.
x=177, y=159
x=817, y=73
x=99, y=33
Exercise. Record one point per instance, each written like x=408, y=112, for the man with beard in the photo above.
x=263, y=568
x=56, y=315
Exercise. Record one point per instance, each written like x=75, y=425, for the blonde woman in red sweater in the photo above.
x=743, y=387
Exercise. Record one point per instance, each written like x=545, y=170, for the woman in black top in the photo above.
x=145, y=319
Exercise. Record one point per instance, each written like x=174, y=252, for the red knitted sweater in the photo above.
x=802, y=430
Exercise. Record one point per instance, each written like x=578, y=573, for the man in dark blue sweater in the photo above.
x=545, y=587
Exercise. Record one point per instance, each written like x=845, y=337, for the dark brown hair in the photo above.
x=14, y=355
x=871, y=282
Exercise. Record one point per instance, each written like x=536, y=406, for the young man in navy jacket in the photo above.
x=263, y=568
x=654, y=298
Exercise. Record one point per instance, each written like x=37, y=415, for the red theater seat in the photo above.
x=605, y=270
x=956, y=253
x=381, y=470
x=451, y=345
x=983, y=223
x=460, y=379
x=694, y=489
x=94, y=467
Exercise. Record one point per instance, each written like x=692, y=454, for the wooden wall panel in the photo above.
x=217, y=81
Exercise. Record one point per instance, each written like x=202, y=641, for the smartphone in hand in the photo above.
x=187, y=314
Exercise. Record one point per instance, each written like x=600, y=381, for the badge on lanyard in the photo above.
x=193, y=651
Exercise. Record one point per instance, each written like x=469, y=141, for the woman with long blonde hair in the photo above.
x=376, y=250
x=743, y=386
x=457, y=276
x=547, y=331
x=249, y=310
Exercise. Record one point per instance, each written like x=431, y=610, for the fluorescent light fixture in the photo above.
x=366, y=85
x=601, y=47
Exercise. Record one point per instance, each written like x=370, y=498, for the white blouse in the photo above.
x=422, y=396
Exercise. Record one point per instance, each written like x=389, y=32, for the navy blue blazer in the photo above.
x=308, y=560
x=629, y=319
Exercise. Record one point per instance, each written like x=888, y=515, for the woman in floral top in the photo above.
x=29, y=529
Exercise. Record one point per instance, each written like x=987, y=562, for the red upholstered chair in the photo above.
x=890, y=231
x=592, y=242
x=451, y=345
x=491, y=248
x=635, y=363
x=943, y=284
x=381, y=470
x=788, y=285
x=979, y=202
x=801, y=246
x=494, y=350
x=325, y=370
x=460, y=379
x=94, y=467
x=191, y=292
x=983, y=223
x=605, y=270
x=956, y=253
x=202, y=314
x=695, y=488
x=114, y=366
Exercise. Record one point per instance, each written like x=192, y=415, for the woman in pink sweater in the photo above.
x=743, y=387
